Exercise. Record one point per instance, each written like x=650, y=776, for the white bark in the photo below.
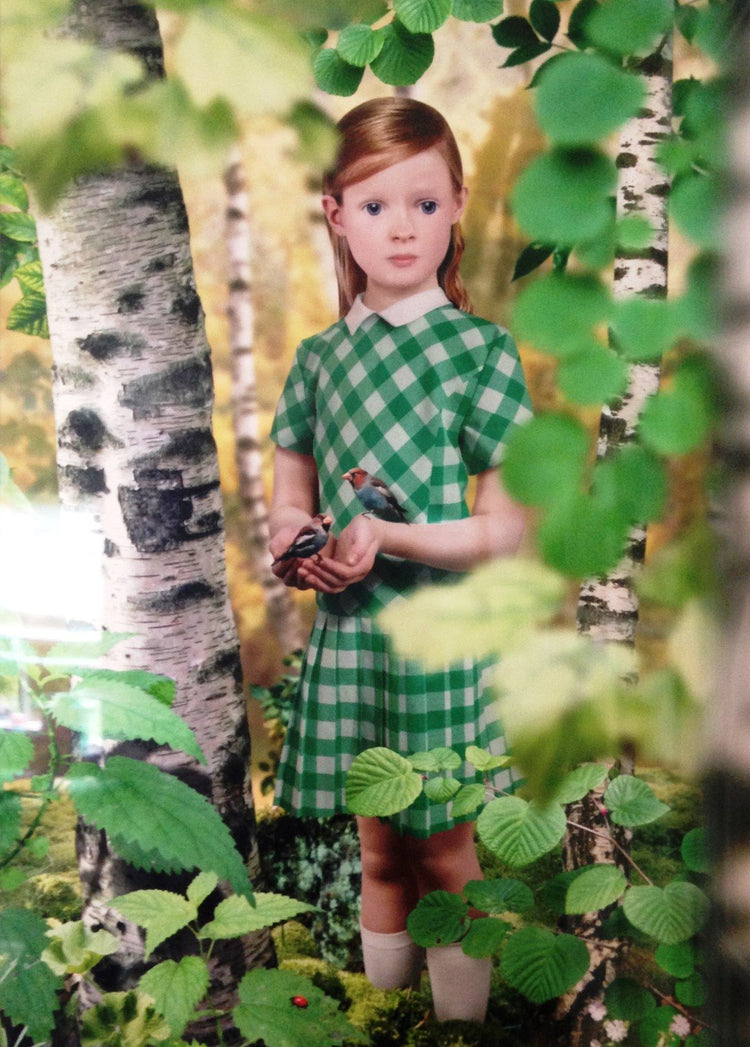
x=283, y=614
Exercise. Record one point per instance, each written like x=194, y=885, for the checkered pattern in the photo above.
x=422, y=405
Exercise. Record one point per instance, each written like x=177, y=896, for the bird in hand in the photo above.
x=375, y=496
x=309, y=540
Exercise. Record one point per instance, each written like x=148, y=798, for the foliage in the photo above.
x=19, y=250
x=276, y=702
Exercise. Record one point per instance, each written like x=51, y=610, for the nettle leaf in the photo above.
x=267, y=1012
x=514, y=31
x=671, y=914
x=235, y=916
x=519, y=832
x=29, y=995
x=29, y=316
x=180, y=831
x=201, y=887
x=438, y=919
x=680, y=416
x=532, y=256
x=422, y=16
x=485, y=936
x=477, y=10
x=108, y=708
x=695, y=852
x=644, y=328
x=359, y=44
x=593, y=376
x=577, y=783
x=16, y=753
x=545, y=18
x=545, y=459
x=543, y=965
x=595, y=888
x=441, y=790
x=628, y=1001
x=559, y=312
x=380, y=783
x=564, y=196
x=334, y=75
x=487, y=611
x=10, y=820
x=176, y=989
x=161, y=913
x=584, y=98
x=499, y=896
x=404, y=56
x=629, y=27
x=467, y=799
x=631, y=801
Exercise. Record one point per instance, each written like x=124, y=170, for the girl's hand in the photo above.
x=288, y=569
x=351, y=558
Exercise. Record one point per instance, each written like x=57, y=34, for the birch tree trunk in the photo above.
x=283, y=614
x=728, y=791
x=608, y=607
x=133, y=396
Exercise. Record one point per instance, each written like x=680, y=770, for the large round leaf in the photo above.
x=545, y=459
x=543, y=965
x=559, y=312
x=564, y=196
x=631, y=801
x=422, y=16
x=404, y=56
x=628, y=27
x=671, y=914
x=583, y=98
x=499, y=896
x=439, y=919
x=334, y=75
x=380, y=783
x=518, y=832
x=595, y=888
x=484, y=937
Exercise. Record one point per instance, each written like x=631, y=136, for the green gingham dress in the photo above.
x=421, y=395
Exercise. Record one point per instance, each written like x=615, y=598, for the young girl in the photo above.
x=412, y=389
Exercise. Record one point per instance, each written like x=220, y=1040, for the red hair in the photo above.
x=375, y=135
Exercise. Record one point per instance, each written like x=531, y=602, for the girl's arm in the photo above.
x=494, y=529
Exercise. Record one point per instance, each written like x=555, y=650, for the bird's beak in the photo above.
x=347, y=476
x=327, y=521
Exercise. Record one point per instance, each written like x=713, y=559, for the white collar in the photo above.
x=400, y=313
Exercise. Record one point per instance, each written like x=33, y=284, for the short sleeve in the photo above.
x=497, y=401
x=294, y=422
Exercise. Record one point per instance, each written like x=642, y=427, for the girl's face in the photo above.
x=397, y=224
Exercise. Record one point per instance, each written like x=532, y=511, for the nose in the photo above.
x=402, y=226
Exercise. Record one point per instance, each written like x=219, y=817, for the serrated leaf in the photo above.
x=595, y=888
x=631, y=801
x=107, y=708
x=477, y=10
x=439, y=759
x=422, y=16
x=30, y=277
x=154, y=820
x=404, y=56
x=441, y=790
x=334, y=75
x=266, y=1012
x=580, y=781
x=176, y=989
x=628, y=1001
x=484, y=760
x=75, y=948
x=16, y=753
x=359, y=44
x=10, y=820
x=695, y=852
x=161, y=913
x=235, y=916
x=485, y=936
x=499, y=896
x=29, y=996
x=438, y=919
x=519, y=832
x=467, y=799
x=29, y=316
x=671, y=914
x=380, y=783
x=13, y=191
x=201, y=887
x=542, y=965
x=17, y=225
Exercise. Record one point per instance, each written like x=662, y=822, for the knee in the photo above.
x=382, y=865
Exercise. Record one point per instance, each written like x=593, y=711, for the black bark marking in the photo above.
x=111, y=548
x=626, y=160
x=131, y=300
x=87, y=480
x=159, y=513
x=162, y=263
x=188, y=384
x=223, y=663
x=83, y=431
x=176, y=599
x=661, y=190
x=187, y=306
x=75, y=377
x=107, y=345
x=162, y=195
x=184, y=445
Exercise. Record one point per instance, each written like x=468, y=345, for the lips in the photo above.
x=402, y=259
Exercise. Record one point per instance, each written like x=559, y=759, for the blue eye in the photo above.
x=429, y=206
x=373, y=208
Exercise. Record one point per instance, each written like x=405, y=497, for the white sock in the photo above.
x=460, y=984
x=392, y=961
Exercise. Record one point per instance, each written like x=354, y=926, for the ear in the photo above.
x=460, y=203
x=332, y=210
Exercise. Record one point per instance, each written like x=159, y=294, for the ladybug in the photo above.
x=299, y=1001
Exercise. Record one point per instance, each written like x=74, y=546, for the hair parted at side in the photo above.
x=373, y=136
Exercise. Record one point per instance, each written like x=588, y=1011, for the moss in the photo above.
x=51, y=895
x=292, y=939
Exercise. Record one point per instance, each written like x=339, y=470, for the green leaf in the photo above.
x=633, y=232
x=644, y=328
x=485, y=936
x=359, y=44
x=634, y=481
x=422, y=16
x=695, y=205
x=691, y=991
x=30, y=277
x=29, y=316
x=584, y=98
x=499, y=896
x=438, y=919
x=581, y=536
x=629, y=27
x=579, y=17
x=679, y=418
x=266, y=1012
x=467, y=799
x=514, y=31
x=560, y=312
x=105, y=708
x=28, y=996
x=201, y=887
x=154, y=820
x=593, y=376
x=380, y=783
x=543, y=965
x=317, y=136
x=441, y=790
x=161, y=913
x=564, y=196
x=519, y=832
x=18, y=226
x=484, y=760
x=545, y=18
x=439, y=759
x=654, y=1028
x=695, y=852
x=631, y=801
x=334, y=75
x=527, y=53
x=123, y=1019
x=176, y=989
x=13, y=191
x=671, y=914
x=16, y=753
x=595, y=888
x=628, y=1001
x=545, y=458
x=532, y=256
x=235, y=916
x=10, y=820
x=404, y=55
x=477, y=10
x=75, y=948
x=678, y=960
x=580, y=781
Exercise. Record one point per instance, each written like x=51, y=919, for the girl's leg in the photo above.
x=389, y=893
x=460, y=984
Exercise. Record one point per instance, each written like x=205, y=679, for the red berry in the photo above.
x=299, y=1001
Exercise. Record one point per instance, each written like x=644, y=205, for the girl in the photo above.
x=411, y=388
